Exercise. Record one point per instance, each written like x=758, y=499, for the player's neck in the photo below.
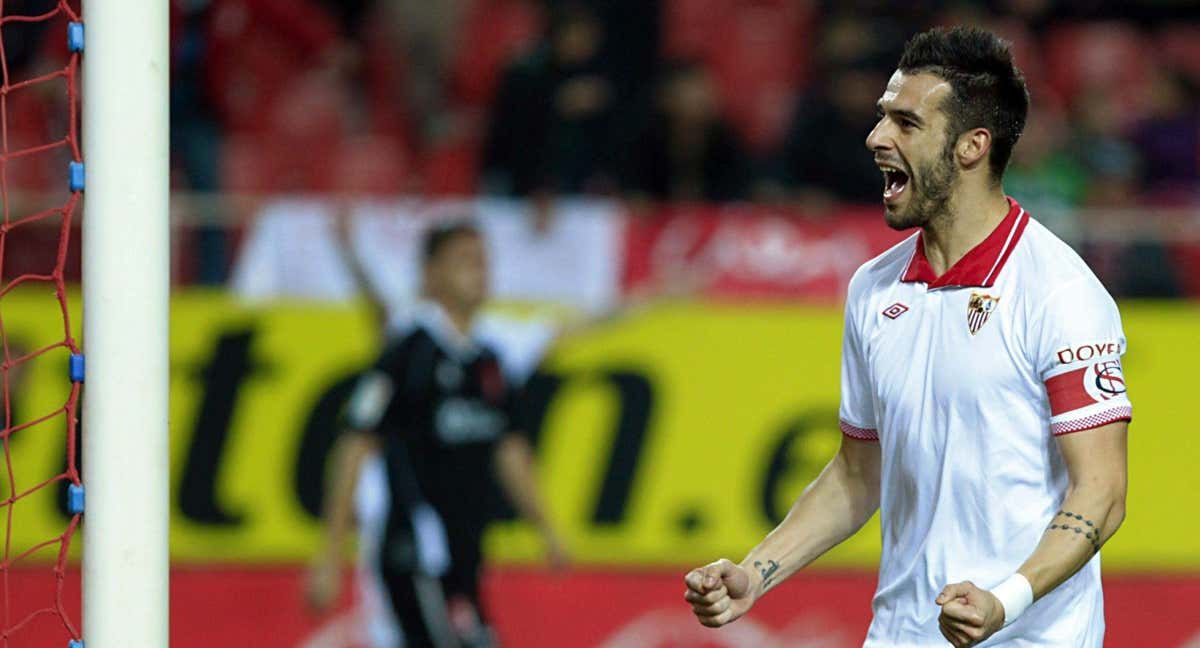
x=971, y=217
x=460, y=319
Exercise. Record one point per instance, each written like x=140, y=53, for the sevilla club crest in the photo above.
x=979, y=309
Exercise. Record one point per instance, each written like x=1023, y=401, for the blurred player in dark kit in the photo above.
x=437, y=407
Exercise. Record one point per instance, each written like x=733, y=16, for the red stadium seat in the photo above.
x=759, y=65
x=371, y=165
x=493, y=32
x=248, y=165
x=383, y=73
x=305, y=132
x=311, y=107
x=451, y=168
x=28, y=122
x=1180, y=45
x=691, y=26
x=255, y=49
x=1091, y=54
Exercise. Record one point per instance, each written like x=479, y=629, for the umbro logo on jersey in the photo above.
x=979, y=309
x=895, y=310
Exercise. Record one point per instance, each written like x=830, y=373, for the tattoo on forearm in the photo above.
x=1091, y=531
x=768, y=571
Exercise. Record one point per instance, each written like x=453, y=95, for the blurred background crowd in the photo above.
x=766, y=101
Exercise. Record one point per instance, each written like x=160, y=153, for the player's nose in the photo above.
x=877, y=139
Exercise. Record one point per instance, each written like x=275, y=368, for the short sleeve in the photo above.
x=374, y=392
x=1078, y=344
x=856, y=413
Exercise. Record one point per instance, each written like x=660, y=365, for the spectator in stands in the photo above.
x=1044, y=174
x=550, y=121
x=196, y=136
x=36, y=114
x=1100, y=144
x=426, y=35
x=632, y=35
x=1168, y=139
x=686, y=152
x=1138, y=268
x=821, y=158
x=24, y=40
x=258, y=49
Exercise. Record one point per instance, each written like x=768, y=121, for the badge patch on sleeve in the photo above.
x=1079, y=388
x=979, y=309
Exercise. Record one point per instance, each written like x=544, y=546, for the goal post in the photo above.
x=125, y=322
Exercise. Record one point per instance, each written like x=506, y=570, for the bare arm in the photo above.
x=351, y=450
x=835, y=505
x=1095, y=504
x=518, y=478
x=832, y=508
x=1092, y=510
x=375, y=300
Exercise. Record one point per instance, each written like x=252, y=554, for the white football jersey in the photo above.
x=965, y=380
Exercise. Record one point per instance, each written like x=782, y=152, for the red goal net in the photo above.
x=41, y=183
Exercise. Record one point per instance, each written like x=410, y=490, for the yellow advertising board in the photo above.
x=670, y=437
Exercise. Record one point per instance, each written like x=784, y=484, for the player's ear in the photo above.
x=972, y=147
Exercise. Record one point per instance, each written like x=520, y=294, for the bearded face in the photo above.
x=928, y=184
x=914, y=149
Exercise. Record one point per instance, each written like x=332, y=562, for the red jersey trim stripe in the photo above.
x=855, y=432
x=1124, y=413
x=1014, y=235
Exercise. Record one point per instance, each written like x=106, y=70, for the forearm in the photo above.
x=1087, y=519
x=337, y=508
x=516, y=474
x=832, y=508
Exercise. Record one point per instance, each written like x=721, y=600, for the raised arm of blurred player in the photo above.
x=1092, y=511
x=835, y=505
x=518, y=477
x=375, y=299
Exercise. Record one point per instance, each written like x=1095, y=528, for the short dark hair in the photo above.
x=987, y=89
x=438, y=236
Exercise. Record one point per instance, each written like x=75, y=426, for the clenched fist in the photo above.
x=969, y=614
x=719, y=592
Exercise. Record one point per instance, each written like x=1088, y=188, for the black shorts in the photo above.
x=429, y=606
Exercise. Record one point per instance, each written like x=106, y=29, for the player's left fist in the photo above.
x=969, y=614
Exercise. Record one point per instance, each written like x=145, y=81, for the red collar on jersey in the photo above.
x=982, y=264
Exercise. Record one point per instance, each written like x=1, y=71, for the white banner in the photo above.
x=569, y=257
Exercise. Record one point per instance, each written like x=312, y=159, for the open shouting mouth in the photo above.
x=895, y=180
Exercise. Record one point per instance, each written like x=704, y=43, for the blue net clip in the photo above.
x=76, y=367
x=75, y=44
x=75, y=170
x=74, y=643
x=75, y=499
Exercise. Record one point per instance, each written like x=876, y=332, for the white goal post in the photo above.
x=125, y=291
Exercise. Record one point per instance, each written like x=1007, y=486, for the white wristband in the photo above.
x=1015, y=594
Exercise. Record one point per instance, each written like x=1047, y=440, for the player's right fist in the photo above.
x=719, y=592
